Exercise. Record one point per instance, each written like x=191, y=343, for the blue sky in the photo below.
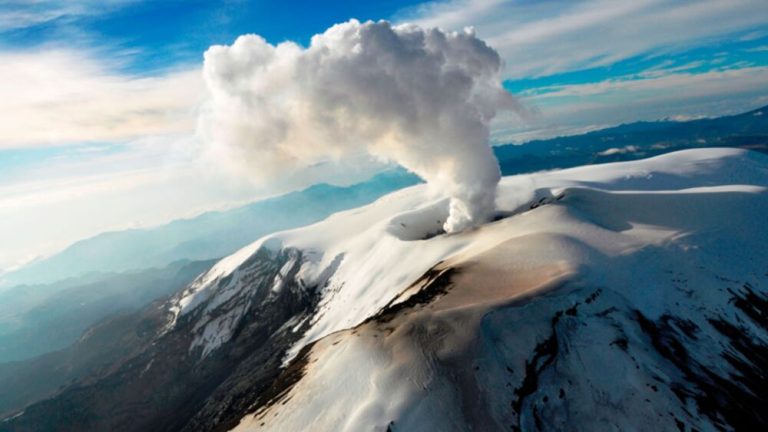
x=100, y=97
x=153, y=35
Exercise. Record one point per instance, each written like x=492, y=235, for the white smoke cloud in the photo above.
x=422, y=98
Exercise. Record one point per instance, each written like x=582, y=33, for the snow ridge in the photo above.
x=363, y=258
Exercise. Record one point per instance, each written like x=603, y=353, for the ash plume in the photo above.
x=422, y=98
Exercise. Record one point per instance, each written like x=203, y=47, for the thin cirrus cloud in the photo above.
x=673, y=94
x=20, y=14
x=547, y=44
x=60, y=97
x=545, y=38
x=730, y=81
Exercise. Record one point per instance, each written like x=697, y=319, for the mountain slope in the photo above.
x=99, y=351
x=620, y=296
x=40, y=319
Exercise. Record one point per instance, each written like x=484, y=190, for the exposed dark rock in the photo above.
x=736, y=400
x=436, y=282
x=167, y=387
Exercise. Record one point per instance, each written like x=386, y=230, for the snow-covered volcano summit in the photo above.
x=626, y=296
x=553, y=315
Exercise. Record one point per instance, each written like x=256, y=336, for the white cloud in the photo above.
x=712, y=83
x=544, y=38
x=619, y=150
x=57, y=97
x=757, y=34
x=665, y=69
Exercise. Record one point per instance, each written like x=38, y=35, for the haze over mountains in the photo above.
x=41, y=318
x=210, y=235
